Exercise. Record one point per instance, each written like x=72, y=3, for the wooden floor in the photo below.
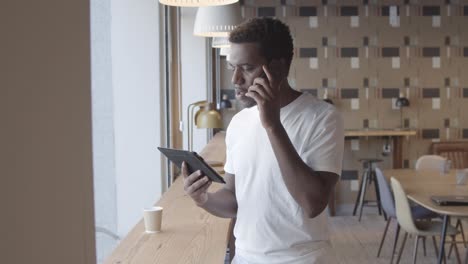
x=358, y=242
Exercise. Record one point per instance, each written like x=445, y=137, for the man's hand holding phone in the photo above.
x=196, y=185
x=265, y=90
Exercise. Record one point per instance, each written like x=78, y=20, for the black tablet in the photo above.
x=193, y=160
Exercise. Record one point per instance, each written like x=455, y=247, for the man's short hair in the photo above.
x=271, y=34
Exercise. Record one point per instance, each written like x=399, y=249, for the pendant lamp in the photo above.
x=217, y=21
x=195, y=3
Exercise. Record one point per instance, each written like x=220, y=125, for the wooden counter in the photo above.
x=396, y=134
x=189, y=233
x=379, y=133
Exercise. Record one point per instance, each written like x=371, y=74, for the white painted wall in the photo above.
x=135, y=76
x=46, y=189
x=194, y=70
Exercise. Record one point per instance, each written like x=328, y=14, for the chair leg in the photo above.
x=450, y=250
x=415, y=252
x=424, y=245
x=395, y=242
x=435, y=245
x=454, y=241
x=436, y=249
x=452, y=244
x=377, y=192
x=363, y=195
x=383, y=237
x=460, y=225
x=358, y=197
x=402, y=247
x=466, y=257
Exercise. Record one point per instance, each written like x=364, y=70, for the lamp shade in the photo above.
x=208, y=119
x=194, y=3
x=220, y=42
x=217, y=21
x=402, y=102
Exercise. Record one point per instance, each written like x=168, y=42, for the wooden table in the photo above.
x=420, y=186
x=396, y=134
x=189, y=234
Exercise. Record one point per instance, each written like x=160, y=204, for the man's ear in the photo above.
x=282, y=61
x=278, y=66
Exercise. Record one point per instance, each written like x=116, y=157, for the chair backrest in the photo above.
x=459, y=158
x=386, y=197
x=456, y=151
x=403, y=209
x=431, y=162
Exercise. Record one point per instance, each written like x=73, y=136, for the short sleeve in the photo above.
x=323, y=149
x=228, y=166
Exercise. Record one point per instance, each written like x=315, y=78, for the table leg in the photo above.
x=442, y=238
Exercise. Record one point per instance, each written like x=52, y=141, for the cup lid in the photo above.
x=153, y=208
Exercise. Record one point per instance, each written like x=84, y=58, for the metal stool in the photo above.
x=368, y=177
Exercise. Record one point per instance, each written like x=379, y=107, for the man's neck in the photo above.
x=288, y=94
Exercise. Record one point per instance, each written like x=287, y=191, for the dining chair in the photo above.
x=431, y=162
x=456, y=151
x=388, y=206
x=419, y=229
x=459, y=227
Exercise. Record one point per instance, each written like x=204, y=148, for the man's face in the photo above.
x=245, y=62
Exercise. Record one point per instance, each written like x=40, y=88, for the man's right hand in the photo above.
x=196, y=185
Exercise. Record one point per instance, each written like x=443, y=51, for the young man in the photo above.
x=283, y=157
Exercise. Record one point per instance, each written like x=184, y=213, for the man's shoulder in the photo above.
x=317, y=107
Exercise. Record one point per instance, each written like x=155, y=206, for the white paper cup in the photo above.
x=153, y=219
x=461, y=176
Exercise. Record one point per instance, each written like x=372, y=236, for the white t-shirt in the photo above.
x=271, y=227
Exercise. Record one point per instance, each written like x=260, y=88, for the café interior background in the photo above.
x=363, y=55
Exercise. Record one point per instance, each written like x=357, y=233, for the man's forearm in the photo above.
x=305, y=185
x=221, y=203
